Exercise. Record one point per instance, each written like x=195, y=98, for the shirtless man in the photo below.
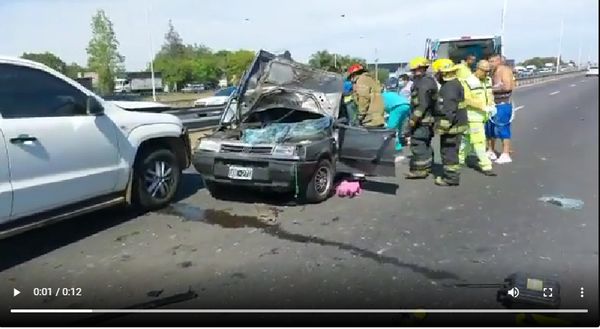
x=499, y=125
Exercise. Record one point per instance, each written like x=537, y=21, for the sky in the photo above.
x=390, y=30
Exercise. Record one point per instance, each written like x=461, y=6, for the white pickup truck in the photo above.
x=65, y=151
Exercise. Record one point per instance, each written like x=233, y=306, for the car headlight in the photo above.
x=209, y=145
x=286, y=150
x=290, y=150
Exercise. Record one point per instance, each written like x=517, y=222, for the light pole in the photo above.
x=502, y=20
x=579, y=55
x=562, y=23
x=376, y=66
x=151, y=55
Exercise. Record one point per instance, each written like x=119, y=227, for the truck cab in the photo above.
x=122, y=86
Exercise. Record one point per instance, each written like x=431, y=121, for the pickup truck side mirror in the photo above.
x=93, y=107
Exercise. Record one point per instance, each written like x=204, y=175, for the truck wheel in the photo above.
x=216, y=190
x=157, y=175
x=320, y=185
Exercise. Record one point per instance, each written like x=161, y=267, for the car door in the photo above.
x=58, y=154
x=370, y=151
x=5, y=185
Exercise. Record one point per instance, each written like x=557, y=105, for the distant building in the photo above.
x=87, y=78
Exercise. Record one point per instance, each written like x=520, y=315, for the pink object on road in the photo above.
x=349, y=189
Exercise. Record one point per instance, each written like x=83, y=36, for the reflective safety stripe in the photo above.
x=455, y=167
x=423, y=162
x=458, y=129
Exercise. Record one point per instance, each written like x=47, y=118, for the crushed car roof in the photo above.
x=269, y=73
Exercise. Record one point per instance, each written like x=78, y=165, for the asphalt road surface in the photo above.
x=401, y=244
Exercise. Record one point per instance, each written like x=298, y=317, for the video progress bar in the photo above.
x=305, y=311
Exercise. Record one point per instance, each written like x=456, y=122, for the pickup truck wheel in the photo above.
x=156, y=178
x=320, y=185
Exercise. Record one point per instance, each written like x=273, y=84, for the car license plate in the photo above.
x=240, y=173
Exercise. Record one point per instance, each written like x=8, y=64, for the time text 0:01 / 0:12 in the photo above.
x=77, y=292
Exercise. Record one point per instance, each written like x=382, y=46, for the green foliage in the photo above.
x=383, y=75
x=540, y=61
x=333, y=62
x=48, y=59
x=236, y=63
x=103, y=54
x=180, y=63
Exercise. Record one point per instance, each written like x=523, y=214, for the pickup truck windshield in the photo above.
x=459, y=49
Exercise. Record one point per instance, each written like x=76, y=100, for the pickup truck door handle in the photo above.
x=22, y=139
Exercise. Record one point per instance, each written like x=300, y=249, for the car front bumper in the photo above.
x=282, y=175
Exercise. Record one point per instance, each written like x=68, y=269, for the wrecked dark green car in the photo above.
x=286, y=129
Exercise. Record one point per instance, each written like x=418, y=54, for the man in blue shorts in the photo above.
x=498, y=126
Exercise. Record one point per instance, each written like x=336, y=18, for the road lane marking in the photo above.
x=554, y=93
x=573, y=85
x=519, y=108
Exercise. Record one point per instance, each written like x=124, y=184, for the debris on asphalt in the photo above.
x=545, y=258
x=154, y=293
x=124, y=237
x=565, y=203
x=185, y=264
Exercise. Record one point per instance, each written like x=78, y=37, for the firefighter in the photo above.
x=366, y=92
x=480, y=106
x=423, y=101
x=451, y=120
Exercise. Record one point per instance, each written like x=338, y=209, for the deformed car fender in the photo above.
x=143, y=133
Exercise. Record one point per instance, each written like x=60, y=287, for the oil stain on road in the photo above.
x=228, y=220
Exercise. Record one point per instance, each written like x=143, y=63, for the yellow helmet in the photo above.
x=443, y=65
x=417, y=62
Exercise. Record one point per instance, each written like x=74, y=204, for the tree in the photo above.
x=236, y=63
x=383, y=75
x=48, y=59
x=180, y=63
x=540, y=61
x=333, y=62
x=73, y=70
x=173, y=45
x=103, y=54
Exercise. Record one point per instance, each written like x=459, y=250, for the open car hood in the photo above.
x=310, y=89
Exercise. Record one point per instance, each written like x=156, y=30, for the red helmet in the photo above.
x=355, y=68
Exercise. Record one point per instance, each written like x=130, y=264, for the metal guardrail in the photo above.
x=546, y=77
x=195, y=119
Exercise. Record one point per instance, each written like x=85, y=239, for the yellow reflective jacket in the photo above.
x=478, y=95
x=463, y=71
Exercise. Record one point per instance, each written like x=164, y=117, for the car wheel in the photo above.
x=320, y=185
x=216, y=190
x=157, y=175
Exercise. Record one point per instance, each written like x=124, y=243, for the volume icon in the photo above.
x=514, y=292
